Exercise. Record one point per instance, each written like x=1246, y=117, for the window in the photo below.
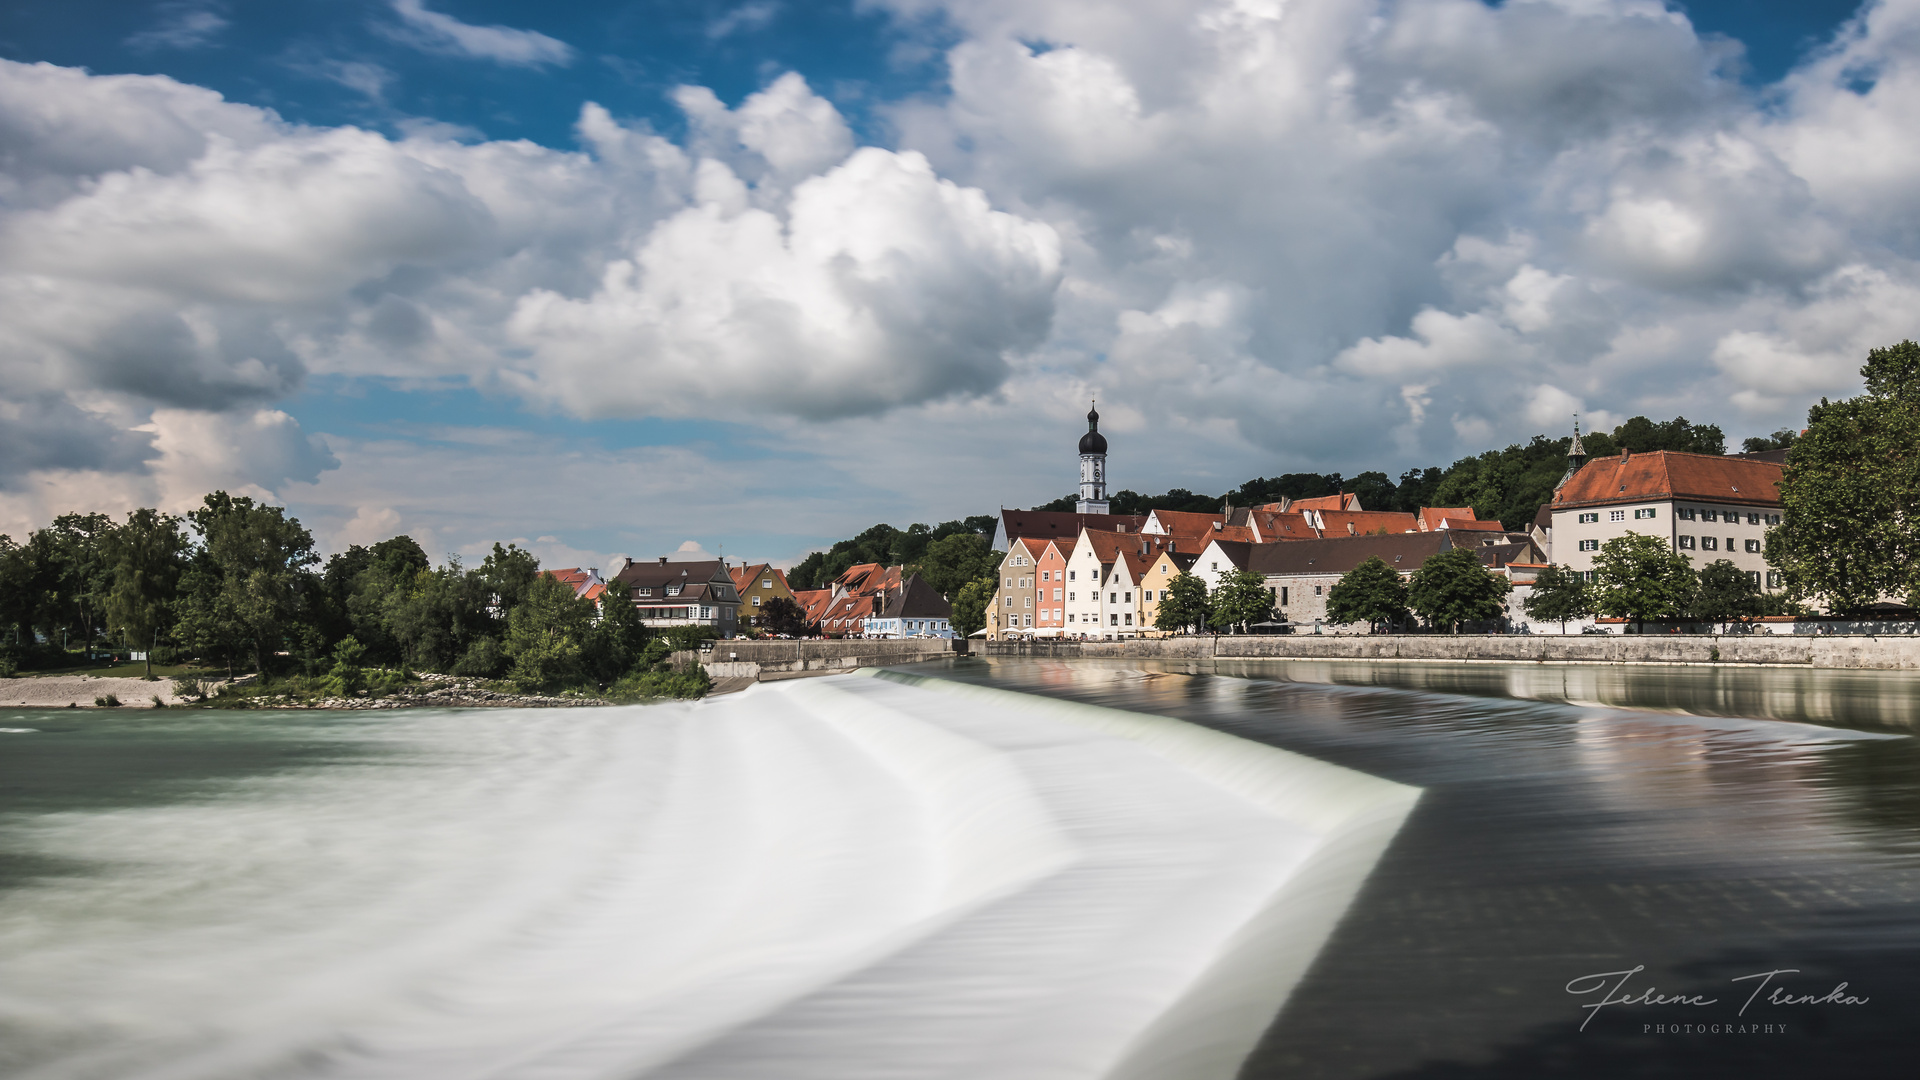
x=766, y=583
x=1129, y=618
x=1753, y=578
x=1709, y=515
x=1709, y=543
x=1069, y=616
x=1127, y=598
x=1046, y=575
x=1589, y=519
x=1316, y=590
x=643, y=590
x=1009, y=601
x=1216, y=566
x=1283, y=594
x=1072, y=596
x=1753, y=547
x=1070, y=574
x=1113, y=598
x=1730, y=543
x=1590, y=575
x=1029, y=601
x=1056, y=592
x=1773, y=519
x=1687, y=513
x=756, y=601
x=706, y=612
x=1686, y=543
x=1029, y=620
x=1009, y=583
x=1113, y=620
x=1616, y=515
x=673, y=590
x=1589, y=545
x=1644, y=513
x=1773, y=579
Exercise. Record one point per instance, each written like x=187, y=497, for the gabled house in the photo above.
x=1055, y=525
x=814, y=604
x=756, y=585
x=1166, y=566
x=670, y=594
x=914, y=610
x=1013, y=609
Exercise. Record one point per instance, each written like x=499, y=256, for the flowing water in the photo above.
x=1708, y=824
x=438, y=893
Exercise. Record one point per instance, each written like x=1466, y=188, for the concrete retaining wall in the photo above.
x=764, y=659
x=1799, y=650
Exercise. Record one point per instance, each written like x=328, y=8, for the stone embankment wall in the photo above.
x=777, y=659
x=1799, y=650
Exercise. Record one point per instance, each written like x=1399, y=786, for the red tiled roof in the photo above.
x=1432, y=516
x=1364, y=522
x=1052, y=523
x=1200, y=526
x=1662, y=474
x=1343, y=501
x=1471, y=525
x=1274, y=525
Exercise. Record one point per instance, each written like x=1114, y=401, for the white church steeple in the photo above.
x=1093, y=468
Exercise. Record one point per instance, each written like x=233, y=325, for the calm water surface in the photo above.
x=1567, y=831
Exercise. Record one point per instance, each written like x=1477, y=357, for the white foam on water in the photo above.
x=822, y=878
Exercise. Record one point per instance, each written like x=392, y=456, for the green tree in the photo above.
x=1779, y=440
x=1642, y=435
x=1725, y=593
x=619, y=638
x=347, y=677
x=1640, y=577
x=1371, y=593
x=970, y=604
x=1559, y=594
x=547, y=635
x=145, y=558
x=783, y=616
x=1452, y=587
x=509, y=574
x=1850, y=497
x=1240, y=599
x=951, y=561
x=249, y=577
x=1183, y=604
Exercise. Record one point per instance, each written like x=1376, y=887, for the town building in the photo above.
x=757, y=584
x=1013, y=610
x=1705, y=506
x=586, y=584
x=1167, y=565
x=670, y=594
x=914, y=610
x=814, y=604
x=1048, y=596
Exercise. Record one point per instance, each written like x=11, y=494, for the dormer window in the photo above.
x=642, y=590
x=673, y=590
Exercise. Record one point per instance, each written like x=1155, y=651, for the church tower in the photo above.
x=1093, y=468
x=1576, y=455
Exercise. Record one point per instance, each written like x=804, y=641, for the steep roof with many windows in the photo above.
x=1670, y=474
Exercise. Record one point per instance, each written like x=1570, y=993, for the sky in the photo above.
x=673, y=278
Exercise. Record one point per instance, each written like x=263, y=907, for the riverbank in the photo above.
x=81, y=691
x=1838, y=652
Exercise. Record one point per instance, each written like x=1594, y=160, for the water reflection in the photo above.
x=1885, y=699
x=1566, y=831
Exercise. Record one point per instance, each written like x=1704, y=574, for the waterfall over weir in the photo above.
x=841, y=879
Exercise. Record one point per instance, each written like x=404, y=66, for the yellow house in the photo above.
x=756, y=585
x=1153, y=585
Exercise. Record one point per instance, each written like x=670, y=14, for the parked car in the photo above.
x=1595, y=630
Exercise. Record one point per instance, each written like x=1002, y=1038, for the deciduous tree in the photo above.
x=1452, y=587
x=249, y=577
x=1725, y=593
x=970, y=605
x=1850, y=528
x=1372, y=593
x=144, y=558
x=1559, y=594
x=1183, y=604
x=1640, y=577
x=1240, y=599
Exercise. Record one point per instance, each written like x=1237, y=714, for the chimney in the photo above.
x=663, y=560
x=1218, y=526
x=593, y=571
x=1120, y=526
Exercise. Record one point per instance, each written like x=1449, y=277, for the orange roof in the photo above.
x=814, y=602
x=1670, y=474
x=1471, y=525
x=1342, y=501
x=1432, y=516
x=1275, y=525
x=1200, y=526
x=1363, y=522
x=743, y=574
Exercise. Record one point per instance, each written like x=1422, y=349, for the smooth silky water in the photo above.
x=1708, y=823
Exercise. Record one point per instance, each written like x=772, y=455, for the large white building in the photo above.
x=1705, y=506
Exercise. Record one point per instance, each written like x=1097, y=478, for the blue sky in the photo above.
x=691, y=311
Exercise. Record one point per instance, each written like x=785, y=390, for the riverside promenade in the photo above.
x=1799, y=650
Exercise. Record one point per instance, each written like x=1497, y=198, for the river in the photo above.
x=447, y=893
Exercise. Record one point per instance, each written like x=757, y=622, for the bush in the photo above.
x=347, y=677
x=189, y=688
x=687, y=638
x=107, y=702
x=159, y=702
x=482, y=660
x=655, y=685
x=165, y=656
